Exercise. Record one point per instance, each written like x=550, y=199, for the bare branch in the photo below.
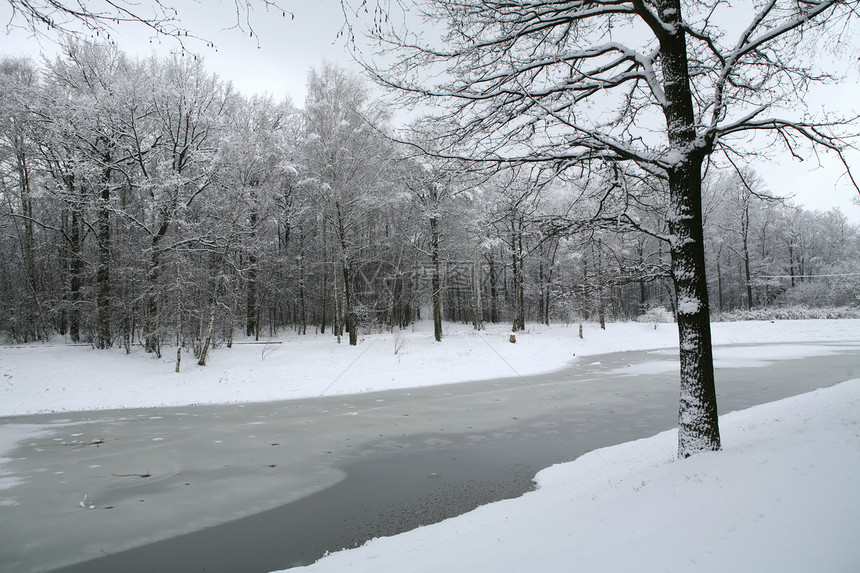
x=101, y=17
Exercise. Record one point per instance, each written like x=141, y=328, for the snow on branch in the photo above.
x=100, y=17
x=806, y=12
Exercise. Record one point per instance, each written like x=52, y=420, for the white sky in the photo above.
x=289, y=47
x=277, y=65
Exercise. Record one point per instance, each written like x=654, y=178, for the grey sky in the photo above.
x=275, y=61
x=288, y=47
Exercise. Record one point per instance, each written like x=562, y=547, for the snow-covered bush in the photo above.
x=788, y=313
x=657, y=315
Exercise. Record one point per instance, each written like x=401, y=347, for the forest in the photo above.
x=145, y=202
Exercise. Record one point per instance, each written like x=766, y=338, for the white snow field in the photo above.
x=782, y=496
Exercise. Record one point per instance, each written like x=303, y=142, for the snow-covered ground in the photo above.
x=782, y=496
x=60, y=377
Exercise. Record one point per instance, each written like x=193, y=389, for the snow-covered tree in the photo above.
x=658, y=86
x=346, y=157
x=174, y=134
x=18, y=169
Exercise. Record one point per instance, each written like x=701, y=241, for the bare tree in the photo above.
x=658, y=86
x=101, y=17
x=18, y=89
x=429, y=189
x=434, y=185
x=185, y=109
x=346, y=156
x=93, y=79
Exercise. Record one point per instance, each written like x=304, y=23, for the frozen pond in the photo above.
x=265, y=486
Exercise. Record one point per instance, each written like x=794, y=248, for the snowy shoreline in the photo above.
x=781, y=496
x=62, y=378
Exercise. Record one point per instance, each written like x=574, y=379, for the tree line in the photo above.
x=144, y=202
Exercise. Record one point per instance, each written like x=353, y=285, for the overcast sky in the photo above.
x=276, y=61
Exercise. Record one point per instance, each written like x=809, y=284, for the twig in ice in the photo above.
x=83, y=503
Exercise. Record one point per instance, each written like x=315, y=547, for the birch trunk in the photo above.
x=213, y=307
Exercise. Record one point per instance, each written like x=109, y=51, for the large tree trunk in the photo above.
x=791, y=263
x=494, y=290
x=475, y=297
x=303, y=311
x=719, y=281
x=337, y=320
x=76, y=273
x=103, y=286
x=436, y=283
x=583, y=294
x=542, y=294
x=252, y=315
x=519, y=295
x=601, y=304
x=547, y=285
x=152, y=325
x=152, y=342
x=698, y=425
x=213, y=306
x=252, y=307
x=349, y=316
x=746, y=249
x=35, y=328
x=178, y=289
x=348, y=304
x=323, y=300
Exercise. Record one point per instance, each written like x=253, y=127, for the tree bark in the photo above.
x=76, y=272
x=178, y=317
x=719, y=281
x=348, y=304
x=303, y=312
x=519, y=295
x=152, y=341
x=213, y=307
x=103, y=285
x=698, y=425
x=494, y=290
x=548, y=277
x=252, y=315
x=252, y=327
x=601, y=310
x=436, y=282
x=475, y=297
x=747, y=274
x=29, y=247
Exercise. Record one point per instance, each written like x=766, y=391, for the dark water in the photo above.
x=404, y=479
x=378, y=498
